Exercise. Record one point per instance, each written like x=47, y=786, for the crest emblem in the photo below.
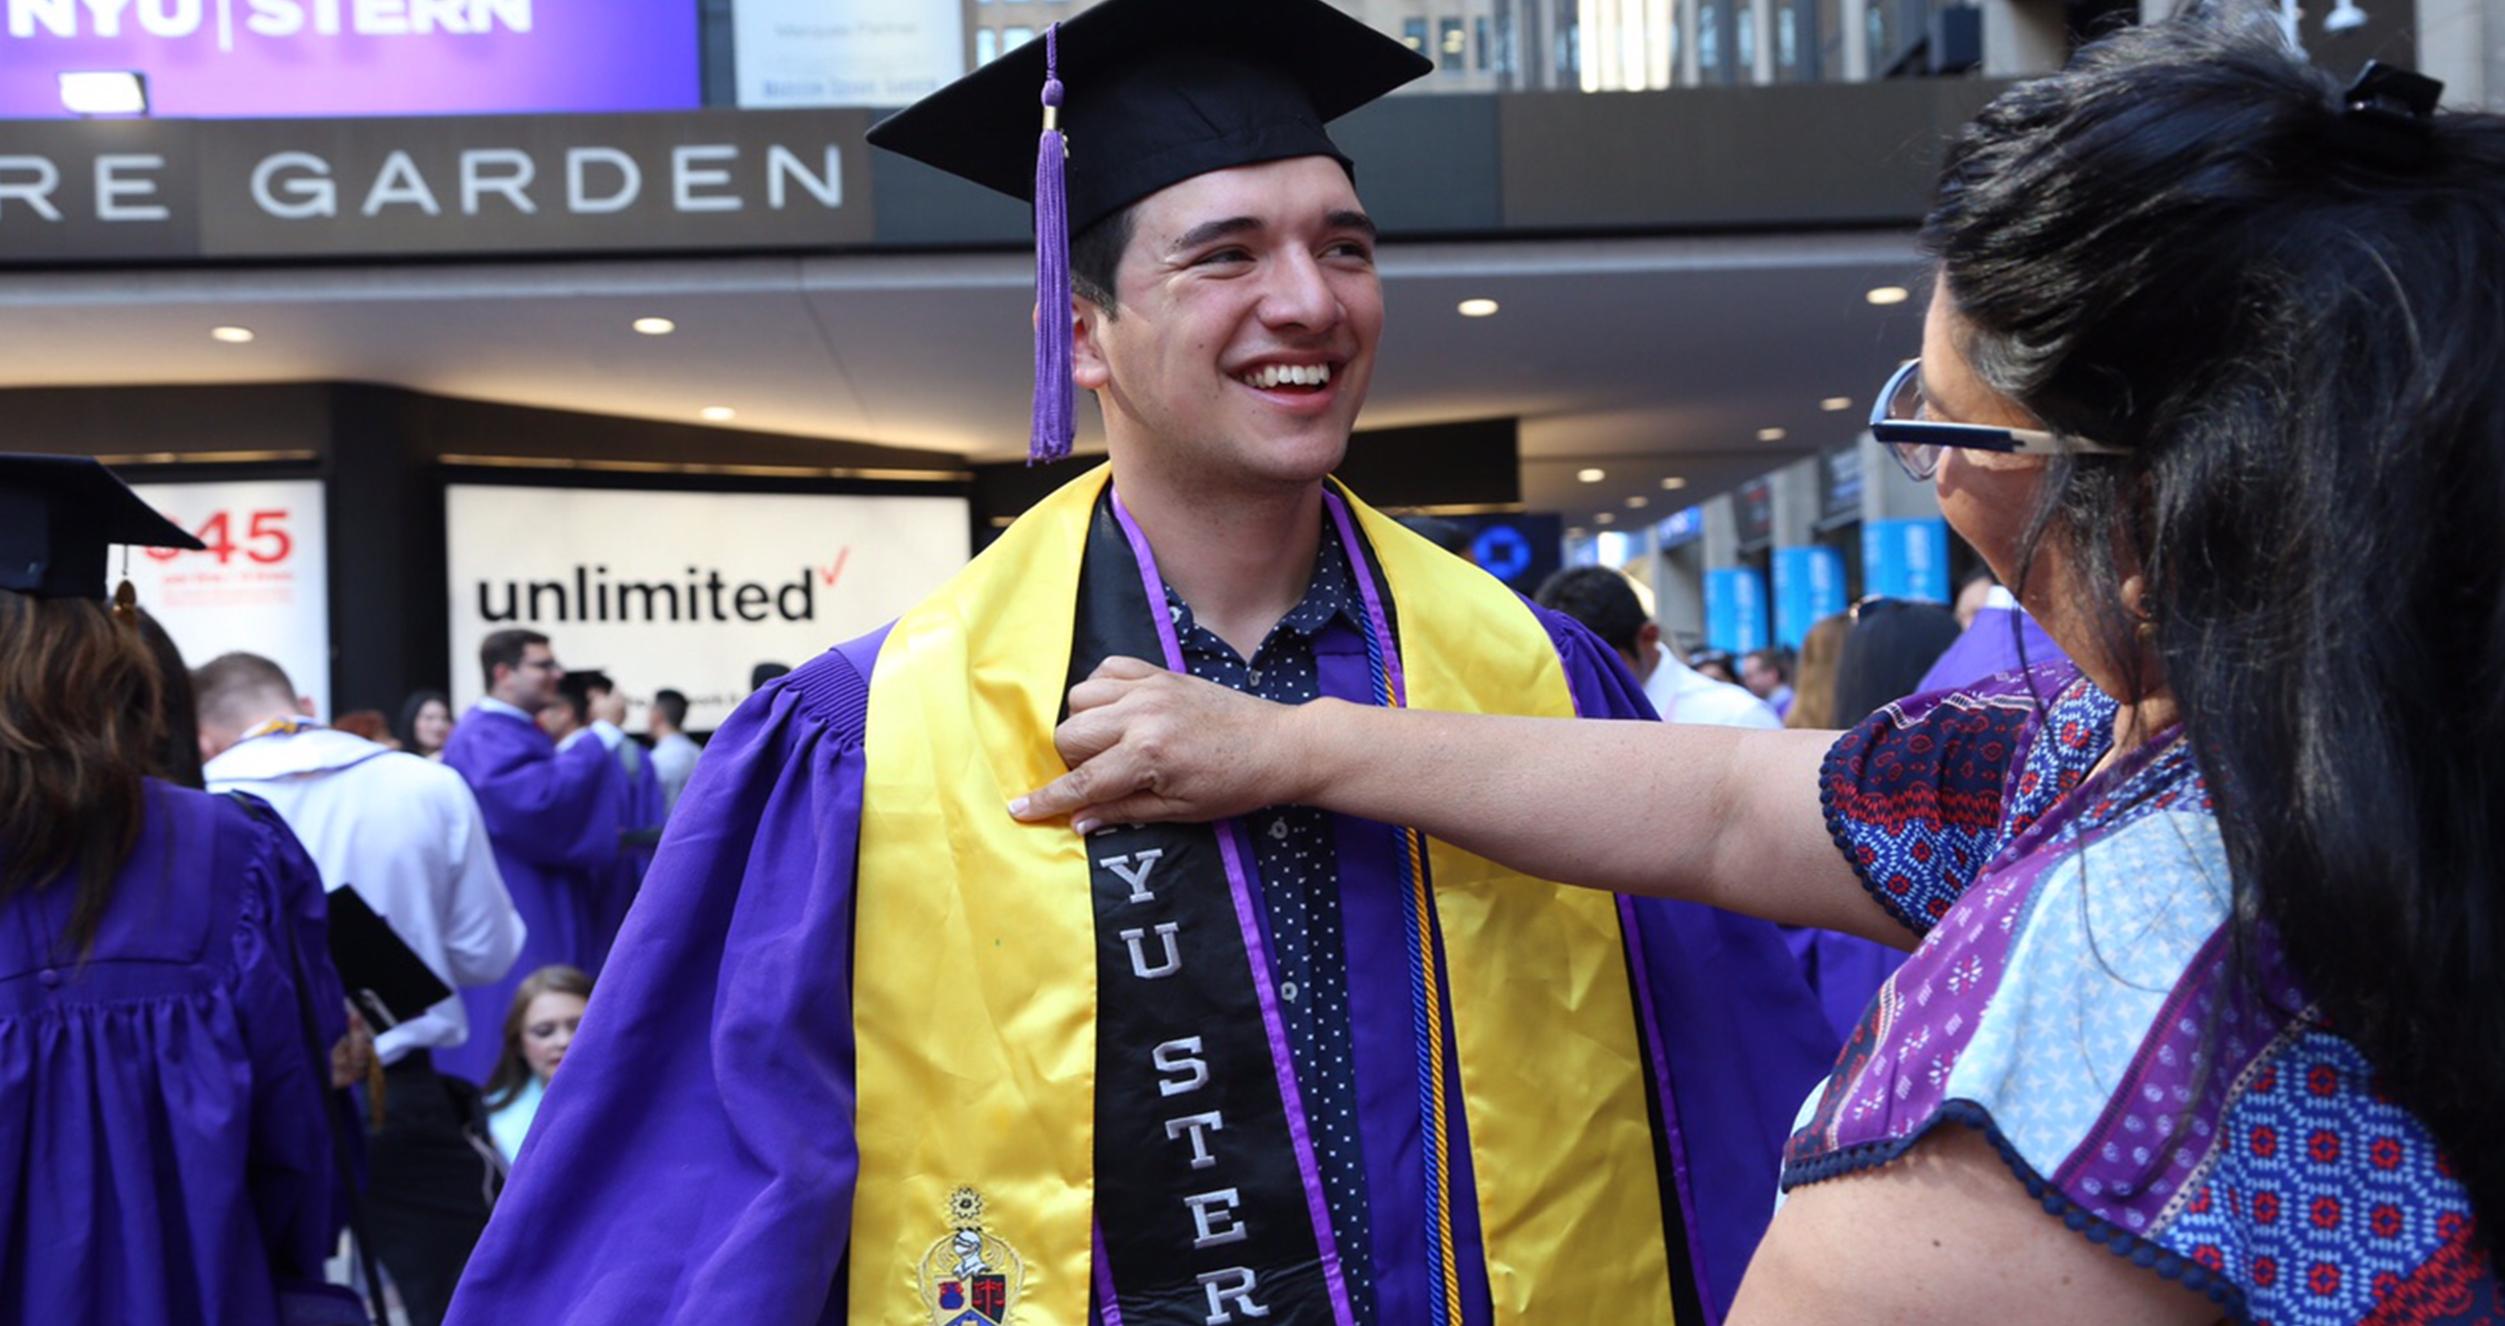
x=970, y=1276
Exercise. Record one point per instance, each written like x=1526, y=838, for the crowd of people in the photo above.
x=1218, y=903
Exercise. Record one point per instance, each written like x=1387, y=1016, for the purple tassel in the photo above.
x=1055, y=395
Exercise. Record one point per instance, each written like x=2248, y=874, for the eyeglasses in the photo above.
x=1896, y=420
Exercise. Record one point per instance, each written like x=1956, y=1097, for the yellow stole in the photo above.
x=977, y=1034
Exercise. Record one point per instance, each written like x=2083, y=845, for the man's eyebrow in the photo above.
x=1208, y=231
x=1357, y=221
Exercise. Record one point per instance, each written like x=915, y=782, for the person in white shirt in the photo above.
x=407, y=834
x=673, y=751
x=1604, y=601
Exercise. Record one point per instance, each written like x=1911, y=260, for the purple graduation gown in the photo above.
x=553, y=818
x=1998, y=640
x=694, y=1160
x=164, y=1158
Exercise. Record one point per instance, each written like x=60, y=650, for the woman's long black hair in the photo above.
x=2295, y=315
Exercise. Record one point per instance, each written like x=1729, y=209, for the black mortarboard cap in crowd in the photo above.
x=1146, y=94
x=59, y=514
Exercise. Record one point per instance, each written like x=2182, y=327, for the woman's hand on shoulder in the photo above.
x=1146, y=745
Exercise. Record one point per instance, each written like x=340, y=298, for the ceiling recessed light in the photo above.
x=1834, y=403
x=1478, y=308
x=1576, y=532
x=655, y=326
x=1771, y=434
x=1888, y=294
x=1591, y=475
x=1638, y=502
x=231, y=335
x=717, y=413
x=1605, y=518
x=1673, y=484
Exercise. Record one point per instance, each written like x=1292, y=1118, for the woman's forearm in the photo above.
x=1710, y=814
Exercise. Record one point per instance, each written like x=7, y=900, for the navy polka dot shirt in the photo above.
x=1299, y=882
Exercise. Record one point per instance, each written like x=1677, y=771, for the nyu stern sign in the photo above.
x=358, y=57
x=114, y=190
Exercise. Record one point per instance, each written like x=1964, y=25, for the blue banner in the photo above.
x=1906, y=559
x=1808, y=585
x=1683, y=526
x=1735, y=609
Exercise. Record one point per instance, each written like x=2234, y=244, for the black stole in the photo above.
x=1200, y=1202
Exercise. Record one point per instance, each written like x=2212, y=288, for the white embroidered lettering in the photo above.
x=1181, y=1056
x=1172, y=963
x=1213, y=1215
x=1135, y=876
x=1232, y=1285
x=1199, y=1126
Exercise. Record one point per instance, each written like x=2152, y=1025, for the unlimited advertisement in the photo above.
x=262, y=585
x=847, y=52
x=686, y=590
x=231, y=58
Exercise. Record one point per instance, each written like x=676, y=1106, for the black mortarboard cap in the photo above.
x=1146, y=94
x=1158, y=91
x=58, y=515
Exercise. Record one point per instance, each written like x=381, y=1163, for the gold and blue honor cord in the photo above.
x=1426, y=1003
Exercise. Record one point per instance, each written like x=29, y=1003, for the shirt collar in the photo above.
x=493, y=705
x=1329, y=596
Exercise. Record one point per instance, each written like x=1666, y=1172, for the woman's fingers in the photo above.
x=1112, y=679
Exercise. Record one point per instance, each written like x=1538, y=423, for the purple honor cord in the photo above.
x=1239, y=883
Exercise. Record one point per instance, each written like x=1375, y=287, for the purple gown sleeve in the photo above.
x=559, y=811
x=296, y=1192
x=693, y=1161
x=1736, y=1036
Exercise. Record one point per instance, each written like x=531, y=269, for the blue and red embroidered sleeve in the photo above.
x=1913, y=795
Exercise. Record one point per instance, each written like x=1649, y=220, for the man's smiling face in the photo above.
x=1247, y=314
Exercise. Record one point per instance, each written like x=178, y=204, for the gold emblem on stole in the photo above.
x=970, y=1277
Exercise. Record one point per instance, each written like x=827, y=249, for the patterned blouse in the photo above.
x=2075, y=997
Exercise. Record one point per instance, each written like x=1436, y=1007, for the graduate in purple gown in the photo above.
x=868, y=1049
x=588, y=709
x=554, y=817
x=167, y=1004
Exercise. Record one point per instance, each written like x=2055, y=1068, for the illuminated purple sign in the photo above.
x=263, y=58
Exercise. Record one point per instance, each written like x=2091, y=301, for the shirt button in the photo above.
x=1254, y=677
x=1287, y=990
x=49, y=977
x=1278, y=828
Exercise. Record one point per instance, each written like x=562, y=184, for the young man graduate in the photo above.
x=872, y=1051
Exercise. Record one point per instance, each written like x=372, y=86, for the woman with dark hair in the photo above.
x=166, y=996
x=1891, y=644
x=547, y=1011
x=425, y=724
x=2205, y=1016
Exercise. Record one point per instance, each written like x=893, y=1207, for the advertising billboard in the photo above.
x=261, y=585
x=263, y=58
x=687, y=590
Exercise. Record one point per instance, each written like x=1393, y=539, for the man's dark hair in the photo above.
x=1776, y=658
x=1095, y=254
x=1599, y=598
x=505, y=647
x=574, y=692
x=672, y=706
x=759, y=675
